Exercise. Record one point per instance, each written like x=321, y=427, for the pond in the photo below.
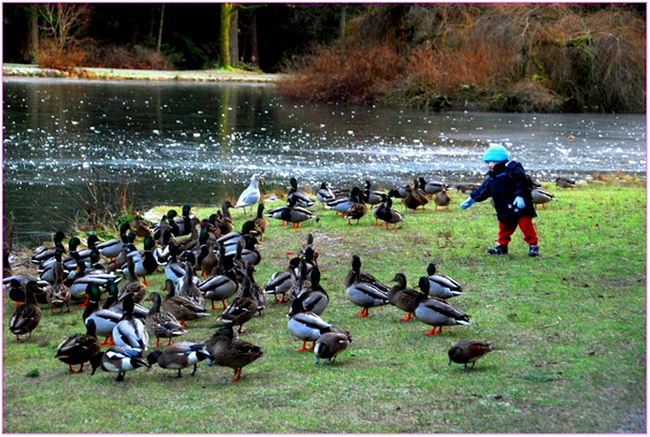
x=199, y=143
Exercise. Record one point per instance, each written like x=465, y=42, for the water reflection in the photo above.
x=200, y=142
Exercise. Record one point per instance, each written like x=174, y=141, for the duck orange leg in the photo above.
x=144, y=281
x=433, y=331
x=157, y=341
x=363, y=312
x=85, y=302
x=237, y=374
x=304, y=346
x=406, y=318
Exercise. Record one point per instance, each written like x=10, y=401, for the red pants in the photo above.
x=507, y=229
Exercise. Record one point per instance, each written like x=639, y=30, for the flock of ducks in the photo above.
x=226, y=260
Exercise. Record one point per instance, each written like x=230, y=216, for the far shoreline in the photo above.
x=26, y=70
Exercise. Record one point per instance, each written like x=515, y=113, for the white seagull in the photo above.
x=251, y=195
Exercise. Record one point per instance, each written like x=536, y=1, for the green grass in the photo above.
x=569, y=327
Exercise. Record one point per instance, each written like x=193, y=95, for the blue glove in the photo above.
x=469, y=202
x=519, y=202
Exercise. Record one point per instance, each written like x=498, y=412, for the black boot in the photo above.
x=533, y=250
x=498, y=250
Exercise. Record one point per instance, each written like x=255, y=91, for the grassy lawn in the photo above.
x=569, y=328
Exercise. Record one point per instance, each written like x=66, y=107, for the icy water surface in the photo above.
x=199, y=143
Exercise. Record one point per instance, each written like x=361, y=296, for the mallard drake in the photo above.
x=174, y=269
x=468, y=351
x=431, y=187
x=331, y=344
x=436, y=312
x=119, y=360
x=43, y=254
x=180, y=306
x=116, y=305
x=162, y=323
x=442, y=286
x=27, y=315
x=402, y=297
x=280, y=283
x=357, y=209
x=220, y=287
x=301, y=199
x=306, y=325
x=130, y=331
x=187, y=285
x=15, y=285
x=260, y=220
x=564, y=182
x=291, y=213
x=186, y=222
x=78, y=280
x=79, y=348
x=242, y=308
x=385, y=213
x=541, y=197
x=324, y=194
x=442, y=198
x=104, y=319
x=228, y=351
x=222, y=283
x=251, y=195
x=231, y=239
x=372, y=197
x=363, y=289
x=179, y=356
x=342, y=204
x=250, y=253
x=58, y=294
x=312, y=297
x=112, y=248
x=145, y=263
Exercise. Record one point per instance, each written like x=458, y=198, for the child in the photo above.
x=509, y=187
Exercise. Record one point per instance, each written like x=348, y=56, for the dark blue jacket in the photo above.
x=506, y=181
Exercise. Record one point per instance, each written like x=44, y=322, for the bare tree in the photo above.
x=65, y=23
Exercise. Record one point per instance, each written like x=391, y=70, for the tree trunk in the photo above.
x=32, y=35
x=234, y=37
x=224, y=37
x=160, y=28
x=253, y=50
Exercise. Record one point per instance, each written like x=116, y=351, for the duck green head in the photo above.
x=124, y=228
x=249, y=227
x=94, y=256
x=186, y=209
x=149, y=243
x=92, y=239
x=111, y=288
x=171, y=214
x=58, y=236
x=93, y=291
x=74, y=243
x=130, y=237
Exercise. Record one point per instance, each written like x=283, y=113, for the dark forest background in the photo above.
x=527, y=57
